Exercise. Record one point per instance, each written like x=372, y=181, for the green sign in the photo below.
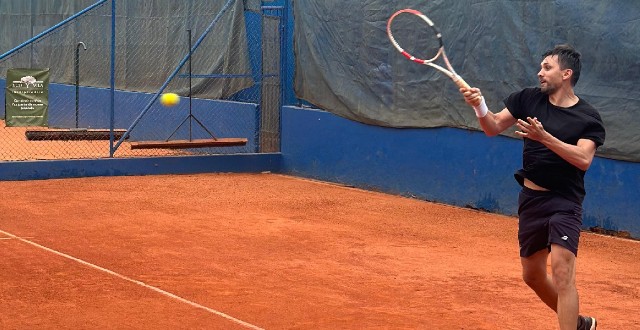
x=27, y=97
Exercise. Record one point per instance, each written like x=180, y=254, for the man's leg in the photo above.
x=563, y=271
x=534, y=274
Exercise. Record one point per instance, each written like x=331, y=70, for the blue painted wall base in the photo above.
x=54, y=169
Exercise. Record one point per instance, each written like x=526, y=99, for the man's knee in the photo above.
x=533, y=278
x=563, y=278
x=563, y=269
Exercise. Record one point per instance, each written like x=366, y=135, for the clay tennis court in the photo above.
x=248, y=251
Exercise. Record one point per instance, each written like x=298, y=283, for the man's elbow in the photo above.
x=490, y=127
x=586, y=159
x=488, y=131
x=491, y=133
x=584, y=164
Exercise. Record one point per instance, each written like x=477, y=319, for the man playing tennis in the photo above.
x=561, y=133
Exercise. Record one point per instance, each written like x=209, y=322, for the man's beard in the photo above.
x=548, y=89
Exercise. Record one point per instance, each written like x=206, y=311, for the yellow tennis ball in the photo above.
x=169, y=99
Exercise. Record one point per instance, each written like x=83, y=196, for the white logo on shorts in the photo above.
x=564, y=238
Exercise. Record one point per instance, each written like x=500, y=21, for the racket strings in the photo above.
x=417, y=38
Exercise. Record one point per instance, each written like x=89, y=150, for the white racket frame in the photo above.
x=449, y=71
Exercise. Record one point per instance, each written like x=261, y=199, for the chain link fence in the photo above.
x=221, y=58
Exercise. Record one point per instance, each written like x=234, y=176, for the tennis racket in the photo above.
x=420, y=42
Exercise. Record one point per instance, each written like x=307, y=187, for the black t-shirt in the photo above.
x=541, y=165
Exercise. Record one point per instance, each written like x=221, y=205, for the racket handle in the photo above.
x=460, y=82
x=463, y=84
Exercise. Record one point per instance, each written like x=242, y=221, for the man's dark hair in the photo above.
x=568, y=58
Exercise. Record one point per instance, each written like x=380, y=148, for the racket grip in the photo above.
x=463, y=84
x=460, y=82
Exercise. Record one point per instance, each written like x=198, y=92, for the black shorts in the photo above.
x=547, y=218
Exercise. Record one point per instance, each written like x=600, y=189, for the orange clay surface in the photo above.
x=15, y=146
x=249, y=251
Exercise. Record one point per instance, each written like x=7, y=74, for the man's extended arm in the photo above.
x=492, y=123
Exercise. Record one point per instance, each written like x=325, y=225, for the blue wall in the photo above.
x=448, y=165
x=54, y=169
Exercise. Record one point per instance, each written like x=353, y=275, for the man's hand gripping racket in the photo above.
x=472, y=96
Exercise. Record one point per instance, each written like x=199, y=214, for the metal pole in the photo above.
x=112, y=86
x=190, y=53
x=77, y=71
